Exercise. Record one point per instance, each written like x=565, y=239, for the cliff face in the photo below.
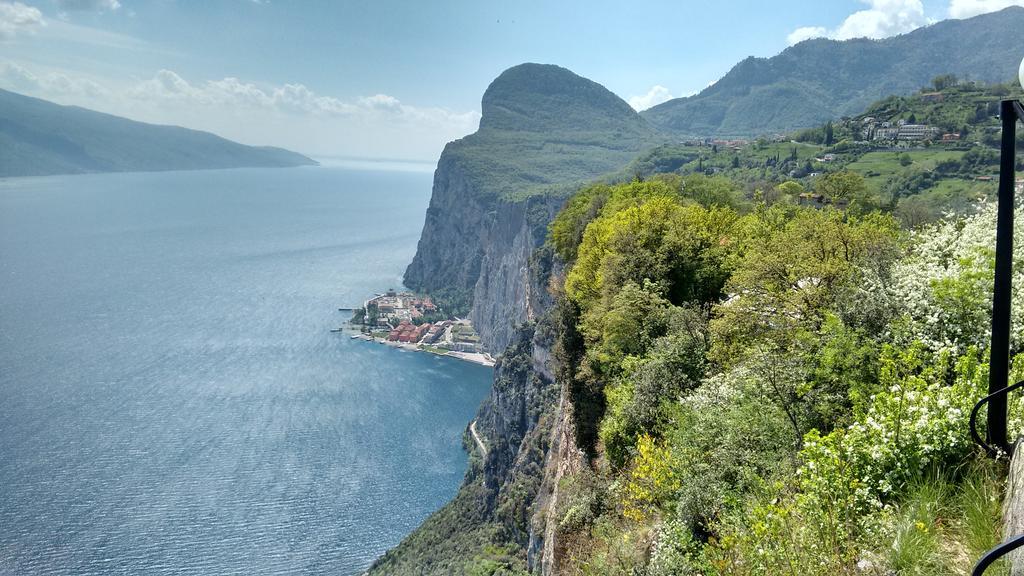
x=544, y=131
x=494, y=508
x=447, y=260
x=476, y=251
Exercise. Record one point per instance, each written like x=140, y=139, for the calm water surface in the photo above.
x=171, y=401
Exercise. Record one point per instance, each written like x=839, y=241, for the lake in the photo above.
x=171, y=398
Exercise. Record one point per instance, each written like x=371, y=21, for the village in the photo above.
x=412, y=322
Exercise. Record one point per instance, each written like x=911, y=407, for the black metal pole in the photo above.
x=999, y=359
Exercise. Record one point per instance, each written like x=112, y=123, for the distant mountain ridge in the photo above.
x=38, y=138
x=820, y=80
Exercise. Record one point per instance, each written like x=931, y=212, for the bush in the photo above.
x=915, y=421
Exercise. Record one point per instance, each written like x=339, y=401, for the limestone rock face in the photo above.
x=544, y=132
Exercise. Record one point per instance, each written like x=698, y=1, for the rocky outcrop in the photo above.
x=503, y=291
x=564, y=459
x=480, y=253
x=543, y=132
x=447, y=261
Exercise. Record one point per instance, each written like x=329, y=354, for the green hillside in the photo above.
x=544, y=127
x=819, y=80
x=919, y=179
x=39, y=137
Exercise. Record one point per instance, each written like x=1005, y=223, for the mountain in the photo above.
x=820, y=80
x=38, y=137
x=543, y=132
x=543, y=126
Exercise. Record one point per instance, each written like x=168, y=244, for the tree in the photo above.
x=944, y=81
x=790, y=188
x=905, y=160
x=845, y=187
x=797, y=267
x=829, y=134
x=682, y=248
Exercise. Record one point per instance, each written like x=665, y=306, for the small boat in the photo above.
x=336, y=329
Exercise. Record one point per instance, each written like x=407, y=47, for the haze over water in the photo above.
x=171, y=400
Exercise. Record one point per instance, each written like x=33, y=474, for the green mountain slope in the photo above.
x=819, y=80
x=544, y=132
x=543, y=126
x=39, y=138
x=920, y=179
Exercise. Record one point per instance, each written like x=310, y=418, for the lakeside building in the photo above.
x=458, y=336
x=392, y=307
x=404, y=317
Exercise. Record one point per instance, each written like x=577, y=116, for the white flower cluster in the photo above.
x=907, y=427
x=945, y=284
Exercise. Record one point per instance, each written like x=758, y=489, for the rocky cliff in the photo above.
x=492, y=514
x=543, y=131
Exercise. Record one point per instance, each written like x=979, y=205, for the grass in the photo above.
x=980, y=501
x=943, y=526
x=917, y=545
x=888, y=161
x=435, y=349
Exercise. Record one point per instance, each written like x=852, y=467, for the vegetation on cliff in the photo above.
x=766, y=351
x=774, y=389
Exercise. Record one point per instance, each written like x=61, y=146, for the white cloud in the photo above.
x=287, y=98
x=969, y=8
x=51, y=85
x=882, y=19
x=656, y=95
x=17, y=18
x=88, y=5
x=288, y=115
x=806, y=33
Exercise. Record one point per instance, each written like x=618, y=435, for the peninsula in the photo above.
x=411, y=322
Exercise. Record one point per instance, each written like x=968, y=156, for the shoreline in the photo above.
x=481, y=359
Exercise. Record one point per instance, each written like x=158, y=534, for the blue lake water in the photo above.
x=171, y=399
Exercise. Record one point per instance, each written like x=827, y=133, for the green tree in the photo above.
x=791, y=188
x=845, y=188
x=944, y=81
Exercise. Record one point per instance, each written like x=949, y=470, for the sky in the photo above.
x=397, y=80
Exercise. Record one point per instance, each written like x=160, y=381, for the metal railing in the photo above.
x=996, y=553
x=973, y=423
x=1010, y=111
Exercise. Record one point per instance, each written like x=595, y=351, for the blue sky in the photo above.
x=386, y=79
